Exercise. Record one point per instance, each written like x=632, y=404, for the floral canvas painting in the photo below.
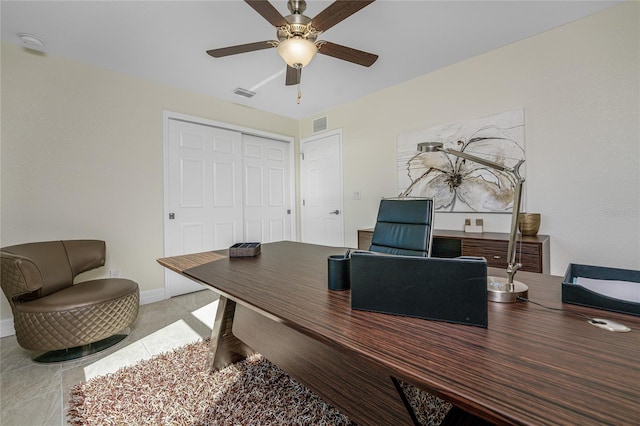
x=456, y=184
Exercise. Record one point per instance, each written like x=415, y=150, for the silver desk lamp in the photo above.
x=499, y=289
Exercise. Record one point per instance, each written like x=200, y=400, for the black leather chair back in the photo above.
x=404, y=227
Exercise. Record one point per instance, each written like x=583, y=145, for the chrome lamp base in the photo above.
x=498, y=290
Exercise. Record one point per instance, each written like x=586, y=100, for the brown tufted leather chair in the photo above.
x=50, y=312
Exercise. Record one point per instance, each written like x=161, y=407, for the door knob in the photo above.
x=335, y=212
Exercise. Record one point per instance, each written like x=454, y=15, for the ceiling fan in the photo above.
x=297, y=35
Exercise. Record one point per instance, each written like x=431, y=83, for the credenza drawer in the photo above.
x=364, y=238
x=496, y=253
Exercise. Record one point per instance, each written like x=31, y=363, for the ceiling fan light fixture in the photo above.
x=297, y=52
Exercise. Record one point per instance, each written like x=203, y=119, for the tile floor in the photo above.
x=34, y=394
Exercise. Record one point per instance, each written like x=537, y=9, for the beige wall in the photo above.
x=82, y=147
x=579, y=86
x=82, y=157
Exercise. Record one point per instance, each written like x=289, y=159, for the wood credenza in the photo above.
x=531, y=252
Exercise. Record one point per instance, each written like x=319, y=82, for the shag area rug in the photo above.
x=175, y=388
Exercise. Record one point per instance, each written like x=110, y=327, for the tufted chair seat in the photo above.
x=50, y=313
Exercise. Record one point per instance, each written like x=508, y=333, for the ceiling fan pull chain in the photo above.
x=299, y=95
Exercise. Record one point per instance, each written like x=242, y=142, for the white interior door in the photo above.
x=205, y=194
x=267, y=209
x=321, y=186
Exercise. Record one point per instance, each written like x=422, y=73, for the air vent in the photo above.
x=244, y=92
x=320, y=124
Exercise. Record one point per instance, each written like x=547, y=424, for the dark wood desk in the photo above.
x=530, y=366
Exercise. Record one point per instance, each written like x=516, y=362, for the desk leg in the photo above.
x=225, y=348
x=362, y=390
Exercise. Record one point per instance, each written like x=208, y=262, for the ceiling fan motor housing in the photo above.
x=298, y=25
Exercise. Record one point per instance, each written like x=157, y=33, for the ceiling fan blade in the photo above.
x=240, y=48
x=293, y=76
x=347, y=53
x=336, y=12
x=268, y=12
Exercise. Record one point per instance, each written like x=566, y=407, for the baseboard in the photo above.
x=146, y=297
x=152, y=296
x=6, y=328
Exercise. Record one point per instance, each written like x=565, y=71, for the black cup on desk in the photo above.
x=339, y=272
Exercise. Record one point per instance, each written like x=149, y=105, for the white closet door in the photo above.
x=267, y=210
x=205, y=194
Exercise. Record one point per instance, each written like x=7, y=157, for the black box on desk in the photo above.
x=579, y=295
x=244, y=250
x=452, y=290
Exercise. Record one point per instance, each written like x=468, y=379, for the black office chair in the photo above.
x=404, y=227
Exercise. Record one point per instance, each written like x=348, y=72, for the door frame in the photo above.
x=171, y=115
x=336, y=132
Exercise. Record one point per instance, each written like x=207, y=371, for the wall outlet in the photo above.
x=356, y=195
x=114, y=273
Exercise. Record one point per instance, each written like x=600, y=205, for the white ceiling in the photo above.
x=165, y=41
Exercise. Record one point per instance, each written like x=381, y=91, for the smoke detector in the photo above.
x=31, y=41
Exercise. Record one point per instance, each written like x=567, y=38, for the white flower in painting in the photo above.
x=450, y=180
